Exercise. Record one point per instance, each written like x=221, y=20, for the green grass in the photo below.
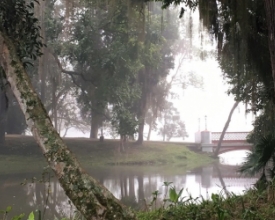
x=22, y=154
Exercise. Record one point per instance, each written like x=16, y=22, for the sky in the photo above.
x=211, y=101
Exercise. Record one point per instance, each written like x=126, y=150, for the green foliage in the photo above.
x=262, y=157
x=253, y=204
x=174, y=196
x=103, y=52
x=188, y=3
x=124, y=121
x=32, y=216
x=6, y=213
x=263, y=125
x=262, y=153
x=241, y=32
x=20, y=25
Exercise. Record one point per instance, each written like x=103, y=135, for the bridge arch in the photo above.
x=229, y=149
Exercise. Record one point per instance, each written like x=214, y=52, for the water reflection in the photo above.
x=26, y=196
x=132, y=185
x=234, y=157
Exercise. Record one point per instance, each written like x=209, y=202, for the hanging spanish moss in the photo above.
x=240, y=31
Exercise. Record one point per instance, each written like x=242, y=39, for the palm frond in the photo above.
x=257, y=160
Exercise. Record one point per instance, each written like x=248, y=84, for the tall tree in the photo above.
x=104, y=59
x=161, y=32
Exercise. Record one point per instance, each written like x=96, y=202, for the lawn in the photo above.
x=22, y=154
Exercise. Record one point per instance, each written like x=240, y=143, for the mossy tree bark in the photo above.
x=93, y=200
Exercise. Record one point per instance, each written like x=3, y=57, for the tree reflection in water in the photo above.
x=133, y=185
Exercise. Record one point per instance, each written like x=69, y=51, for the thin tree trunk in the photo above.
x=3, y=113
x=164, y=128
x=140, y=131
x=225, y=128
x=54, y=101
x=142, y=114
x=132, y=187
x=94, y=125
x=163, y=134
x=270, y=17
x=149, y=132
x=93, y=200
x=140, y=189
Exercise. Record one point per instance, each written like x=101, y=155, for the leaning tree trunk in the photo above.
x=270, y=17
x=93, y=200
x=225, y=128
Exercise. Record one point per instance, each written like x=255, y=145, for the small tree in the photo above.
x=125, y=124
x=172, y=125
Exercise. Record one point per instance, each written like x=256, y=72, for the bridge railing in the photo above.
x=229, y=136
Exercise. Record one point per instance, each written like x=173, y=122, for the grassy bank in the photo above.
x=253, y=205
x=22, y=154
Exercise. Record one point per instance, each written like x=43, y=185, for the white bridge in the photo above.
x=207, y=141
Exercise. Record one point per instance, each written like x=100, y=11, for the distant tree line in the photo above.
x=105, y=68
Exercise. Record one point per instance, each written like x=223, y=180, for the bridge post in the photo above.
x=207, y=176
x=198, y=137
x=206, y=142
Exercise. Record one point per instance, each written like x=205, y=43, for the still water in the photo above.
x=132, y=185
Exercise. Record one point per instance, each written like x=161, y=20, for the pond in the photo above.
x=133, y=185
